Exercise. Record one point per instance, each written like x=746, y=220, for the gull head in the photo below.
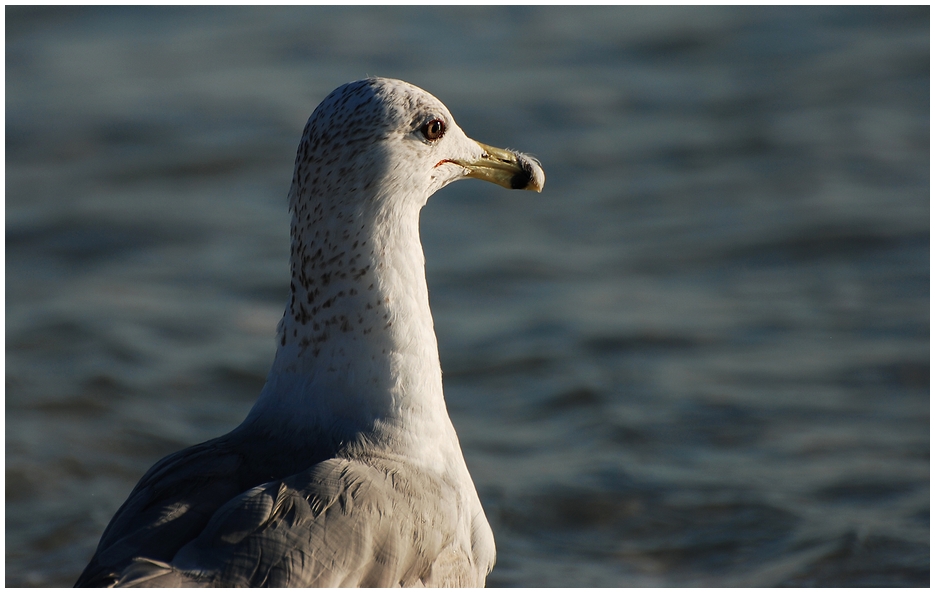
x=381, y=138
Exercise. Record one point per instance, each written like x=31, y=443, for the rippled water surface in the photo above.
x=699, y=357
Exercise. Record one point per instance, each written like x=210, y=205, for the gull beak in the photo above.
x=512, y=170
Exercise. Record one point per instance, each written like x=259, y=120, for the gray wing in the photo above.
x=169, y=506
x=177, y=497
x=172, y=504
x=341, y=523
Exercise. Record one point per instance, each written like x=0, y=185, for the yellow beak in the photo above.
x=512, y=170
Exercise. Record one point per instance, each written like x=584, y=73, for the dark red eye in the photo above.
x=433, y=130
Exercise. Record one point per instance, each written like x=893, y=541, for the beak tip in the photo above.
x=536, y=176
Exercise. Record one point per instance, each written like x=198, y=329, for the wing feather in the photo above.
x=340, y=522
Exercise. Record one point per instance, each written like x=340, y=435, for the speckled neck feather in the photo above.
x=357, y=351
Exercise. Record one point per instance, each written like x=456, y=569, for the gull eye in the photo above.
x=433, y=130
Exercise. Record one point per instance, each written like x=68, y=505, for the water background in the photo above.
x=699, y=357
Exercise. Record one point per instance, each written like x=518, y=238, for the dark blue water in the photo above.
x=699, y=357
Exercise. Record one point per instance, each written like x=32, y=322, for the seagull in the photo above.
x=347, y=471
